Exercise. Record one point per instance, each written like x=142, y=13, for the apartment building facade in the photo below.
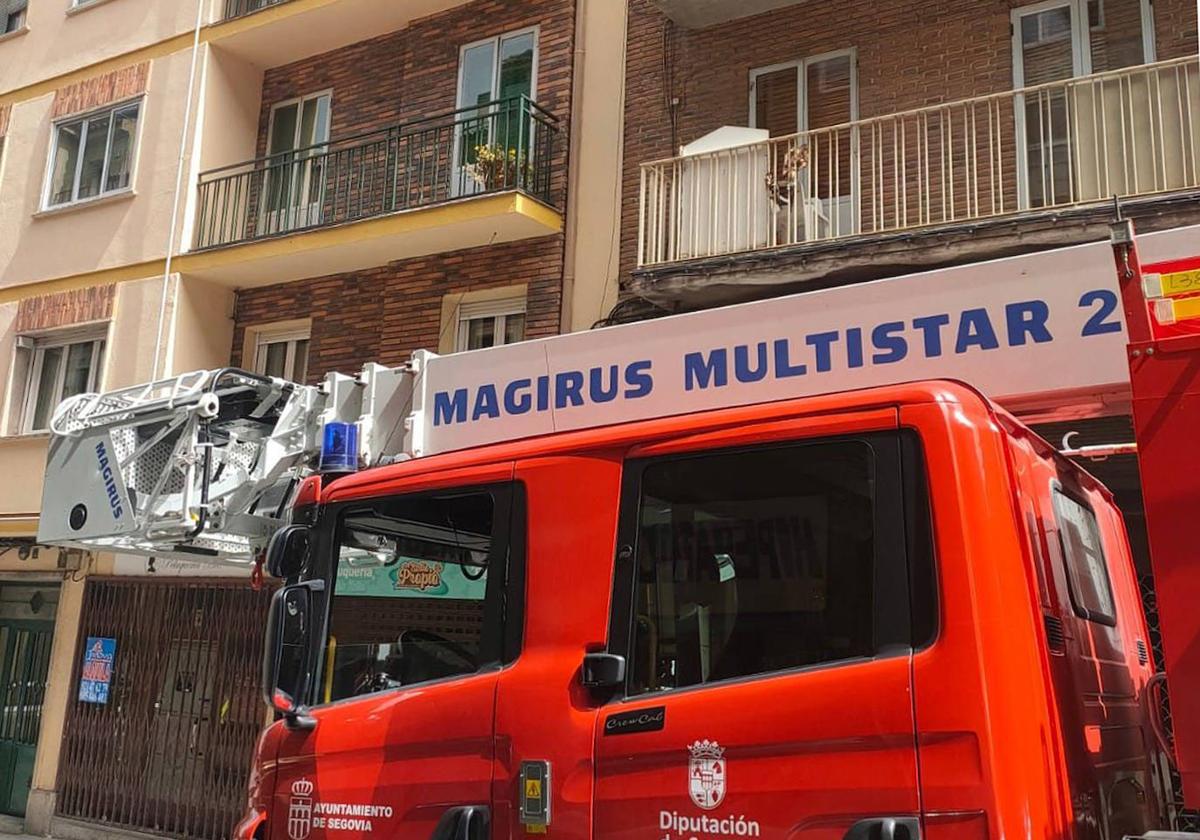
x=290, y=186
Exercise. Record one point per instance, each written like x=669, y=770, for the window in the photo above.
x=93, y=156
x=418, y=591
x=295, y=182
x=490, y=323
x=768, y=559
x=283, y=354
x=14, y=14
x=59, y=369
x=1083, y=552
x=500, y=69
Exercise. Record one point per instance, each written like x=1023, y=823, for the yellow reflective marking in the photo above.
x=1181, y=283
x=1187, y=309
x=533, y=789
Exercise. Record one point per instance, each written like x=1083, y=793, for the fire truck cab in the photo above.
x=883, y=614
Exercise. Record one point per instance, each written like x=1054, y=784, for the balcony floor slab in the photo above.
x=733, y=278
x=453, y=226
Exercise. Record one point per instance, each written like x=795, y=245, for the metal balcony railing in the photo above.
x=237, y=8
x=491, y=147
x=1128, y=132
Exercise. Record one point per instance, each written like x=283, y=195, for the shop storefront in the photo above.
x=164, y=707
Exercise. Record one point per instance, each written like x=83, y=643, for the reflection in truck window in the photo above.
x=409, y=593
x=756, y=561
x=1087, y=573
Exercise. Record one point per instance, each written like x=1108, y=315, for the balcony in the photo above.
x=238, y=8
x=1073, y=144
x=477, y=176
x=496, y=147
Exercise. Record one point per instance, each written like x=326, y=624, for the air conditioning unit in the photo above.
x=723, y=207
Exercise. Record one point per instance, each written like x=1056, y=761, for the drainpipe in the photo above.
x=179, y=187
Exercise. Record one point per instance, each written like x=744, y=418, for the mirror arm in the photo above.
x=300, y=720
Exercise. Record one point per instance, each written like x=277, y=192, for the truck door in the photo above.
x=762, y=602
x=415, y=641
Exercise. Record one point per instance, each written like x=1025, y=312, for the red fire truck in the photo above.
x=757, y=605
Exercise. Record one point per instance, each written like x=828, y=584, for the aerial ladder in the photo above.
x=202, y=466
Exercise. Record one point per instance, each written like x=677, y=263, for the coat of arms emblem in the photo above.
x=300, y=810
x=706, y=774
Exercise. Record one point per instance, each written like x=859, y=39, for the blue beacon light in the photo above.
x=339, y=448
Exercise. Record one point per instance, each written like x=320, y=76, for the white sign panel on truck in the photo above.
x=1032, y=326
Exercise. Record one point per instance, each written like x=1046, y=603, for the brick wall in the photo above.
x=909, y=55
x=101, y=90
x=61, y=309
x=413, y=73
x=384, y=313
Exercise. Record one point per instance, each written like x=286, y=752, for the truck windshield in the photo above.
x=409, y=591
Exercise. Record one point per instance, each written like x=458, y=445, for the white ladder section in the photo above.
x=203, y=466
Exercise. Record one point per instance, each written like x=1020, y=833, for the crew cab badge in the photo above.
x=706, y=774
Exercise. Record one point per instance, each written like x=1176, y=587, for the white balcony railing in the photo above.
x=1128, y=132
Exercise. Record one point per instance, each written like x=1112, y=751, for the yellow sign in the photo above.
x=533, y=789
x=1175, y=284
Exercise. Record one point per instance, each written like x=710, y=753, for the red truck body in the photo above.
x=890, y=610
x=1164, y=375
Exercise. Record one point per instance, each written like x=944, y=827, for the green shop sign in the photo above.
x=410, y=578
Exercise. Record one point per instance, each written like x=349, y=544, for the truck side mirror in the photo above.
x=603, y=671
x=287, y=551
x=286, y=675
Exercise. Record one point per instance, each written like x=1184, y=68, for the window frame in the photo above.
x=298, y=212
x=898, y=629
x=99, y=341
x=458, y=185
x=495, y=40
x=1059, y=491
x=23, y=12
x=499, y=309
x=801, y=66
x=83, y=119
x=504, y=601
x=289, y=337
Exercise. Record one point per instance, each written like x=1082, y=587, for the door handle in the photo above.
x=885, y=828
x=466, y=822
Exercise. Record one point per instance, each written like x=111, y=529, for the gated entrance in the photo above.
x=26, y=632
x=170, y=749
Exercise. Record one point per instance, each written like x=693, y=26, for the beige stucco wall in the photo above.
x=58, y=42
x=134, y=330
x=594, y=213
x=24, y=462
x=112, y=231
x=232, y=99
x=202, y=332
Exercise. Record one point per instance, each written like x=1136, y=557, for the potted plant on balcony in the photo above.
x=798, y=215
x=499, y=167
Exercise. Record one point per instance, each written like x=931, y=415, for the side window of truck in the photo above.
x=1083, y=553
x=417, y=591
x=768, y=559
